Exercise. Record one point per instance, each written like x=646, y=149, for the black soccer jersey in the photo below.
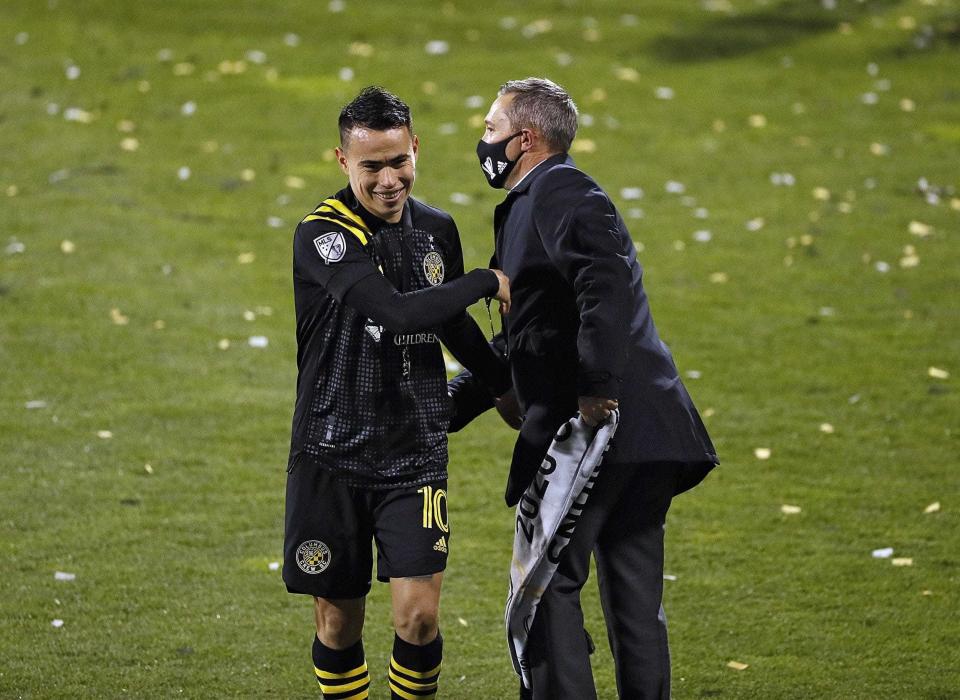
x=372, y=402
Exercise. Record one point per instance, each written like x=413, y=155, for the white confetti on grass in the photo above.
x=292, y=40
x=223, y=344
x=57, y=623
x=256, y=56
x=104, y=434
x=463, y=622
x=882, y=553
x=437, y=47
x=827, y=428
x=461, y=198
x=63, y=576
x=738, y=665
x=189, y=108
x=275, y=222
x=788, y=509
x=77, y=115
x=35, y=404
x=21, y=38
x=932, y=508
x=762, y=453
x=674, y=187
x=902, y=561
x=938, y=373
x=702, y=236
x=183, y=173
x=345, y=74
x=631, y=193
x=274, y=566
x=258, y=341
x=664, y=93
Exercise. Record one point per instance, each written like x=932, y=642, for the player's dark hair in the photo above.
x=376, y=109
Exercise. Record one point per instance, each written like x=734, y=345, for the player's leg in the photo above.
x=413, y=535
x=629, y=556
x=338, y=657
x=327, y=555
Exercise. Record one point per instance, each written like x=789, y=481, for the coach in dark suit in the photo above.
x=579, y=336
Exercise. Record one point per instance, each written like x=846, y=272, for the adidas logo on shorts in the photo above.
x=441, y=545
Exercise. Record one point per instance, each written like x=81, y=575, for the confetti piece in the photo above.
x=826, y=428
x=104, y=434
x=256, y=56
x=694, y=374
x=57, y=623
x=709, y=413
x=67, y=247
x=159, y=324
x=920, y=229
x=294, y=182
x=359, y=48
x=537, y=27
x=719, y=277
x=274, y=566
x=463, y=623
x=955, y=203
x=292, y=40
x=461, y=198
x=345, y=74
x=248, y=175
x=584, y=146
x=35, y=404
x=932, y=508
x=762, y=452
x=21, y=38
x=702, y=236
x=938, y=373
x=188, y=109
x=737, y=665
x=72, y=72
x=790, y=510
x=632, y=193
x=757, y=121
x=223, y=344
x=719, y=126
x=908, y=105
x=869, y=98
x=147, y=468
x=879, y=149
x=674, y=187
x=902, y=561
x=118, y=318
x=246, y=258
x=907, y=23
x=881, y=266
x=130, y=144
x=63, y=576
x=183, y=173
x=258, y=341
x=248, y=315
x=821, y=193
x=756, y=224
x=12, y=190
x=701, y=213
x=75, y=114
x=437, y=47
x=664, y=93
x=882, y=553
x=628, y=74
x=275, y=222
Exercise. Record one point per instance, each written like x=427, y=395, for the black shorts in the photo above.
x=329, y=528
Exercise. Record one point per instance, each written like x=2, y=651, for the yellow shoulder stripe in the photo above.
x=360, y=234
x=343, y=210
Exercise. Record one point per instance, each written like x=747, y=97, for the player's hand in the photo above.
x=595, y=409
x=509, y=409
x=503, y=293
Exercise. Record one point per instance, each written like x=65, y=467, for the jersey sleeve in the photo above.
x=330, y=256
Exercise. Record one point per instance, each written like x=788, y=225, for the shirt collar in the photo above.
x=524, y=184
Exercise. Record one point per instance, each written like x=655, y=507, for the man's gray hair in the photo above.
x=543, y=105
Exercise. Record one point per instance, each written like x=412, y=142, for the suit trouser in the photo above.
x=622, y=524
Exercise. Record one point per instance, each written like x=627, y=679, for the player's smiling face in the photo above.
x=381, y=166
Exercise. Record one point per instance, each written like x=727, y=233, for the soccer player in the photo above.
x=378, y=283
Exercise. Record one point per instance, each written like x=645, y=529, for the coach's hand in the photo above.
x=595, y=409
x=503, y=293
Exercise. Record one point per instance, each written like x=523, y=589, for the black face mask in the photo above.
x=494, y=162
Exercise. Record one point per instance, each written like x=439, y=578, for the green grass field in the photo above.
x=156, y=157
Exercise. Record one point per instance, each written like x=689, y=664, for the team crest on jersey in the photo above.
x=433, y=267
x=331, y=246
x=313, y=557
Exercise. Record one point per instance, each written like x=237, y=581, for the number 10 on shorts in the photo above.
x=432, y=512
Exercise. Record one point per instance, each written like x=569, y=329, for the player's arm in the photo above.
x=336, y=260
x=463, y=337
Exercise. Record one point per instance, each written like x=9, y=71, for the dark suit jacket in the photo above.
x=580, y=325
